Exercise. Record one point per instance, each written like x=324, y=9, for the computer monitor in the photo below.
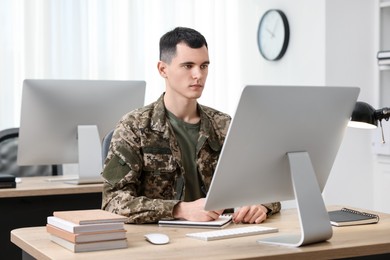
x=64, y=121
x=281, y=145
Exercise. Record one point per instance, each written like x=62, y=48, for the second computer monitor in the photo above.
x=61, y=117
x=281, y=145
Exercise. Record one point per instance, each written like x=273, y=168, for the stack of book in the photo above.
x=87, y=230
x=7, y=181
x=383, y=57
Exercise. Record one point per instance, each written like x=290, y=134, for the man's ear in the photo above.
x=162, y=66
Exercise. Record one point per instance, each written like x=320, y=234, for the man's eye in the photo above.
x=204, y=66
x=187, y=66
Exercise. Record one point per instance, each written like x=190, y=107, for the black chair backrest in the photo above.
x=106, y=144
x=8, y=158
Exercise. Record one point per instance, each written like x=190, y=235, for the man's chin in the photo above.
x=196, y=92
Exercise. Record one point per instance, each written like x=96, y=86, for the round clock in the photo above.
x=273, y=35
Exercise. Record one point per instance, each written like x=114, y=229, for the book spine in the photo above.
x=73, y=228
x=86, y=237
x=62, y=242
x=71, y=237
x=93, y=246
x=383, y=54
x=91, y=216
x=384, y=62
x=60, y=224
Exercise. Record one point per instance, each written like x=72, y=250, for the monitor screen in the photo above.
x=55, y=114
x=281, y=145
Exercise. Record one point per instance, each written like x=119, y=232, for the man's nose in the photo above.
x=197, y=73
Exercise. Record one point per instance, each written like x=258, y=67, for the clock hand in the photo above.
x=273, y=29
x=270, y=32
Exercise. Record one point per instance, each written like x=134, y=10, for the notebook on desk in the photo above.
x=221, y=222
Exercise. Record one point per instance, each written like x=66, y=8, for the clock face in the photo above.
x=273, y=35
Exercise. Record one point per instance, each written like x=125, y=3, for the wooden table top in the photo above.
x=346, y=242
x=40, y=186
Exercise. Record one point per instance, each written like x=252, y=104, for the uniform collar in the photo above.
x=206, y=132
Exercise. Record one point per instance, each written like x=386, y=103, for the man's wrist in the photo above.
x=176, y=213
x=268, y=210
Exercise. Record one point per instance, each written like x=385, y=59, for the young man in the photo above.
x=162, y=157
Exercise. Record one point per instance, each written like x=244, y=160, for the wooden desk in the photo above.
x=33, y=199
x=39, y=186
x=353, y=241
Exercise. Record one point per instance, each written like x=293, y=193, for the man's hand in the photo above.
x=194, y=211
x=250, y=214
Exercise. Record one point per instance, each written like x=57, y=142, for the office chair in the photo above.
x=8, y=158
x=106, y=144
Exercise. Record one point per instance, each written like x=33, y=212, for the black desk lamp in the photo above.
x=365, y=116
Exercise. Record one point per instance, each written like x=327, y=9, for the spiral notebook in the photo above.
x=350, y=217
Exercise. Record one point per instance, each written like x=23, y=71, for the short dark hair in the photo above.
x=169, y=40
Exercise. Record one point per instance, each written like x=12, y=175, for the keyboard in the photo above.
x=232, y=232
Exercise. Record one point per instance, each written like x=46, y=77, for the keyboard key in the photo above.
x=232, y=232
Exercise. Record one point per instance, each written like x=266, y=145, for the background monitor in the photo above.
x=281, y=145
x=64, y=121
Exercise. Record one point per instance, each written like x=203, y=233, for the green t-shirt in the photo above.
x=187, y=138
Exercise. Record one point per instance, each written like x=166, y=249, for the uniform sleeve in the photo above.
x=273, y=208
x=122, y=175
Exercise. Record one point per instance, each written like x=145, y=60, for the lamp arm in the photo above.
x=383, y=113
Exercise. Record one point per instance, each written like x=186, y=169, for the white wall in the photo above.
x=331, y=43
x=302, y=63
x=351, y=61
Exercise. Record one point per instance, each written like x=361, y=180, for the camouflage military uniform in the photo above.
x=143, y=171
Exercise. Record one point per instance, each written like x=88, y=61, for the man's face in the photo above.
x=187, y=73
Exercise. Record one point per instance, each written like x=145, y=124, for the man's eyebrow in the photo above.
x=192, y=63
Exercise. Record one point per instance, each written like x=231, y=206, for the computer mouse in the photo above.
x=157, y=238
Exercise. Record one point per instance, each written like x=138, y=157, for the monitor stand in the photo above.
x=90, y=155
x=313, y=216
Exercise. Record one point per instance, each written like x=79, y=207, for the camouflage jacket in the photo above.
x=143, y=171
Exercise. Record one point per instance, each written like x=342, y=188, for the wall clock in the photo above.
x=273, y=35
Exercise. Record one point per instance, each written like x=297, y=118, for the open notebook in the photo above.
x=221, y=222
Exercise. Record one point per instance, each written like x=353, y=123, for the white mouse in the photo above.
x=157, y=238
